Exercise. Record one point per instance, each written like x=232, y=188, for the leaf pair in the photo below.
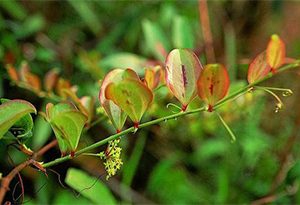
x=186, y=77
x=269, y=60
x=15, y=118
x=67, y=123
x=122, y=93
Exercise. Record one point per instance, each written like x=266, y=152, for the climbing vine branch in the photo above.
x=172, y=116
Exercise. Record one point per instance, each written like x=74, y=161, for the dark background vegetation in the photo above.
x=184, y=161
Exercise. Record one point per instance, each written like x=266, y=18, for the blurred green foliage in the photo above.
x=182, y=161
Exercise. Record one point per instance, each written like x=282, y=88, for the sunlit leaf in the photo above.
x=152, y=76
x=97, y=192
x=213, y=84
x=258, y=68
x=275, y=52
x=182, y=71
x=130, y=95
x=11, y=112
x=114, y=112
x=67, y=123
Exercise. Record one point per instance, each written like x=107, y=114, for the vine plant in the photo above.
x=123, y=94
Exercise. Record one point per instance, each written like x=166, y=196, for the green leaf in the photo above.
x=11, y=112
x=182, y=71
x=94, y=190
x=132, y=96
x=67, y=123
x=156, y=41
x=114, y=112
x=213, y=84
x=182, y=33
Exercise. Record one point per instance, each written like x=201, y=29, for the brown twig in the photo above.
x=207, y=35
x=44, y=149
x=5, y=181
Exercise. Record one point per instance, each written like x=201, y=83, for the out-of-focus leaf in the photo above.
x=275, y=52
x=67, y=123
x=87, y=14
x=169, y=180
x=114, y=112
x=14, y=8
x=50, y=80
x=98, y=193
x=11, y=112
x=294, y=173
x=90, y=62
x=156, y=41
x=182, y=33
x=213, y=84
x=31, y=25
x=124, y=60
x=258, y=68
x=61, y=85
x=32, y=80
x=182, y=71
x=130, y=95
x=152, y=76
x=12, y=72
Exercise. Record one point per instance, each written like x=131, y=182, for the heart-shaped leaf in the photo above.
x=182, y=71
x=132, y=96
x=114, y=112
x=275, y=52
x=11, y=112
x=213, y=84
x=67, y=123
x=258, y=68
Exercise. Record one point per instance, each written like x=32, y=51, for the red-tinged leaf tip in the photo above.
x=275, y=52
x=184, y=107
x=213, y=84
x=72, y=154
x=258, y=68
x=136, y=125
x=210, y=108
x=182, y=71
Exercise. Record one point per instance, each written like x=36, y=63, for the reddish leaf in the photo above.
x=182, y=71
x=213, y=84
x=275, y=52
x=258, y=68
x=30, y=79
x=13, y=74
x=50, y=80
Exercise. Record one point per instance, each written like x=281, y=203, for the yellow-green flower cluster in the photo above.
x=112, y=157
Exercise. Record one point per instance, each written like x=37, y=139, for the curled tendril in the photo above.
x=175, y=106
x=279, y=105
